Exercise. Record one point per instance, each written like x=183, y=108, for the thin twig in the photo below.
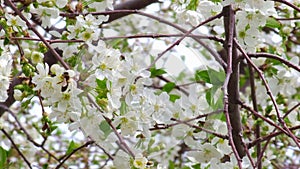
x=16, y=147
x=276, y=57
x=26, y=133
x=255, y=107
x=166, y=126
x=269, y=136
x=288, y=4
x=177, y=42
x=74, y=151
x=280, y=119
x=217, y=39
x=201, y=128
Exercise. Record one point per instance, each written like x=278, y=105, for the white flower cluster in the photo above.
x=120, y=85
x=58, y=89
x=5, y=71
x=86, y=27
x=250, y=16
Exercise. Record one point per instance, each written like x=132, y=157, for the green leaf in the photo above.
x=210, y=76
x=202, y=75
x=72, y=147
x=104, y=126
x=3, y=157
x=273, y=23
x=196, y=166
x=101, y=83
x=45, y=166
x=6, y=41
x=156, y=72
x=208, y=96
x=168, y=87
x=171, y=165
x=123, y=108
x=174, y=97
x=101, y=89
x=193, y=5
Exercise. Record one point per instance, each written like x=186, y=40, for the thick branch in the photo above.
x=132, y=4
x=233, y=84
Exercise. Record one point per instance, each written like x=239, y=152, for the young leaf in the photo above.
x=168, y=87
x=272, y=23
x=71, y=147
x=156, y=72
x=193, y=5
x=174, y=97
x=104, y=126
x=3, y=157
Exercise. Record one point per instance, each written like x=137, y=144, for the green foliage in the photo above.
x=120, y=44
x=3, y=158
x=42, y=47
x=45, y=166
x=210, y=76
x=196, y=166
x=102, y=91
x=72, y=146
x=171, y=164
x=169, y=87
x=273, y=23
x=28, y=69
x=156, y=72
x=173, y=97
x=105, y=128
x=48, y=126
x=193, y=5
x=216, y=78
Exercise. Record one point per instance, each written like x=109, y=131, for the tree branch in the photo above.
x=231, y=85
x=131, y=4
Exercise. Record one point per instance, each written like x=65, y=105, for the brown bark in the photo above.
x=233, y=86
